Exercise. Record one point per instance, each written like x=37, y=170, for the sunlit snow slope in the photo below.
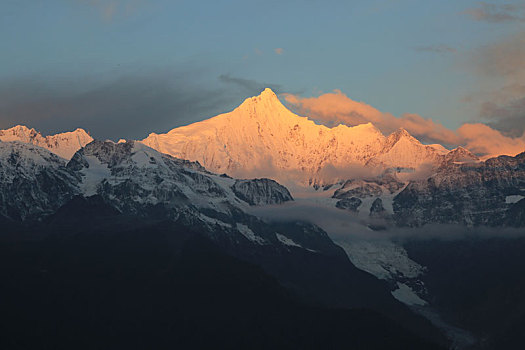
x=262, y=137
x=64, y=144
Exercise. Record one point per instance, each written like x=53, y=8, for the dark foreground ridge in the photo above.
x=477, y=284
x=162, y=286
x=85, y=213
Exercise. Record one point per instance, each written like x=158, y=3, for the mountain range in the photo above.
x=393, y=177
x=247, y=182
x=63, y=144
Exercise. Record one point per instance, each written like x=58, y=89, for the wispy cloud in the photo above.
x=435, y=49
x=484, y=140
x=502, y=63
x=127, y=106
x=497, y=13
x=504, y=109
x=343, y=226
x=505, y=58
x=251, y=87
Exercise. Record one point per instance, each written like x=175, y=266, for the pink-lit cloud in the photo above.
x=336, y=108
x=482, y=139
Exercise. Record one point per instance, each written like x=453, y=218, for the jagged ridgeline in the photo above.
x=69, y=185
x=417, y=184
x=63, y=144
x=263, y=136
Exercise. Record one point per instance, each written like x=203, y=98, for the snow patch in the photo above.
x=383, y=259
x=287, y=241
x=407, y=296
x=214, y=221
x=513, y=199
x=93, y=175
x=248, y=233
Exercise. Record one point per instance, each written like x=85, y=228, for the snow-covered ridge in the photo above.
x=262, y=136
x=63, y=144
x=139, y=181
x=33, y=181
x=129, y=175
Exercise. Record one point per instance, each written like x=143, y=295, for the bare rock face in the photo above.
x=377, y=209
x=515, y=216
x=261, y=191
x=468, y=193
x=385, y=184
x=361, y=190
x=352, y=204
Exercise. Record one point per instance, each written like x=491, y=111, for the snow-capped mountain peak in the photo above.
x=401, y=135
x=262, y=137
x=18, y=133
x=266, y=97
x=461, y=155
x=63, y=144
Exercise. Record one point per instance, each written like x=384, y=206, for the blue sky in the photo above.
x=400, y=56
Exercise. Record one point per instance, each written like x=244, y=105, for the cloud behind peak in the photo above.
x=336, y=108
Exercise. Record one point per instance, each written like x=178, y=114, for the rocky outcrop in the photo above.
x=377, y=209
x=261, y=191
x=467, y=193
x=352, y=204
